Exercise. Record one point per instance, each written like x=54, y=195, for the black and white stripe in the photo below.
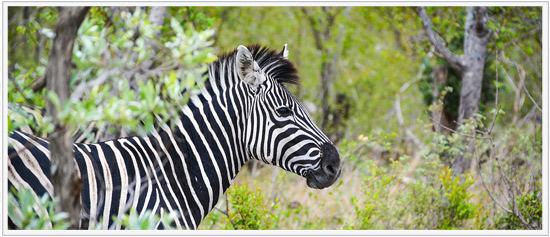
x=243, y=112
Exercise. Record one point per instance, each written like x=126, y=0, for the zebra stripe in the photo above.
x=185, y=169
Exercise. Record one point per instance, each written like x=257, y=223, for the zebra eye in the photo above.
x=284, y=111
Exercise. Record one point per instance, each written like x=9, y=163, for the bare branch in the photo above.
x=531, y=64
x=531, y=98
x=518, y=68
x=226, y=212
x=478, y=166
x=410, y=135
x=453, y=59
x=39, y=84
x=496, y=95
x=514, y=210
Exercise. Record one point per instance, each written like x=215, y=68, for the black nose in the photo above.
x=329, y=171
x=330, y=159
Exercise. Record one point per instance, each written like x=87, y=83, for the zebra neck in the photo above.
x=205, y=147
x=187, y=167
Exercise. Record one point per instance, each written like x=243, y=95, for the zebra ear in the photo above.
x=248, y=69
x=284, y=52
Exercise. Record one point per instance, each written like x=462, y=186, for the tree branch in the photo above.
x=314, y=29
x=453, y=59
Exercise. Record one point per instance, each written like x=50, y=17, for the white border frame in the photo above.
x=545, y=129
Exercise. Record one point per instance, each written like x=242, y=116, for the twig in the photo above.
x=453, y=59
x=397, y=107
x=226, y=212
x=19, y=89
x=485, y=185
x=527, y=59
x=457, y=132
x=514, y=211
x=496, y=95
x=507, y=61
x=532, y=100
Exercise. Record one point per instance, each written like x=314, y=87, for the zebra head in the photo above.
x=279, y=130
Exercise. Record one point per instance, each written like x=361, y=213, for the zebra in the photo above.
x=243, y=112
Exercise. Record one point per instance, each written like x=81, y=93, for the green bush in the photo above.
x=30, y=212
x=530, y=208
x=248, y=210
x=431, y=198
x=456, y=208
x=375, y=210
x=148, y=221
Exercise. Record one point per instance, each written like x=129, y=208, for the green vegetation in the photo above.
x=247, y=209
x=29, y=212
x=34, y=213
x=103, y=90
x=529, y=205
x=380, y=71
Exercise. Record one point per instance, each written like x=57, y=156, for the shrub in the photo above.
x=456, y=208
x=148, y=221
x=248, y=210
x=530, y=208
x=29, y=212
x=432, y=199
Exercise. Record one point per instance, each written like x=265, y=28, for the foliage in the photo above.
x=29, y=212
x=439, y=202
x=113, y=84
x=148, y=221
x=248, y=210
x=458, y=207
x=530, y=205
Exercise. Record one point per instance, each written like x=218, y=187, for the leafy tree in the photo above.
x=124, y=76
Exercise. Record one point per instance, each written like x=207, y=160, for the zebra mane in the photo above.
x=270, y=61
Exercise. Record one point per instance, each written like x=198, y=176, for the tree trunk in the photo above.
x=470, y=64
x=327, y=80
x=64, y=174
x=322, y=34
x=440, y=118
x=475, y=46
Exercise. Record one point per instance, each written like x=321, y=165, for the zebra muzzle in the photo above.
x=329, y=170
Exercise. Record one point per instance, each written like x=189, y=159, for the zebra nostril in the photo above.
x=329, y=169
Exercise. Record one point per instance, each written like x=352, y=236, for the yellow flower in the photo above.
x=363, y=138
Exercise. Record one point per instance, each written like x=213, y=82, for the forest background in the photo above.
x=389, y=86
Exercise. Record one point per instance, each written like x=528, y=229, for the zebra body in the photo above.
x=242, y=112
